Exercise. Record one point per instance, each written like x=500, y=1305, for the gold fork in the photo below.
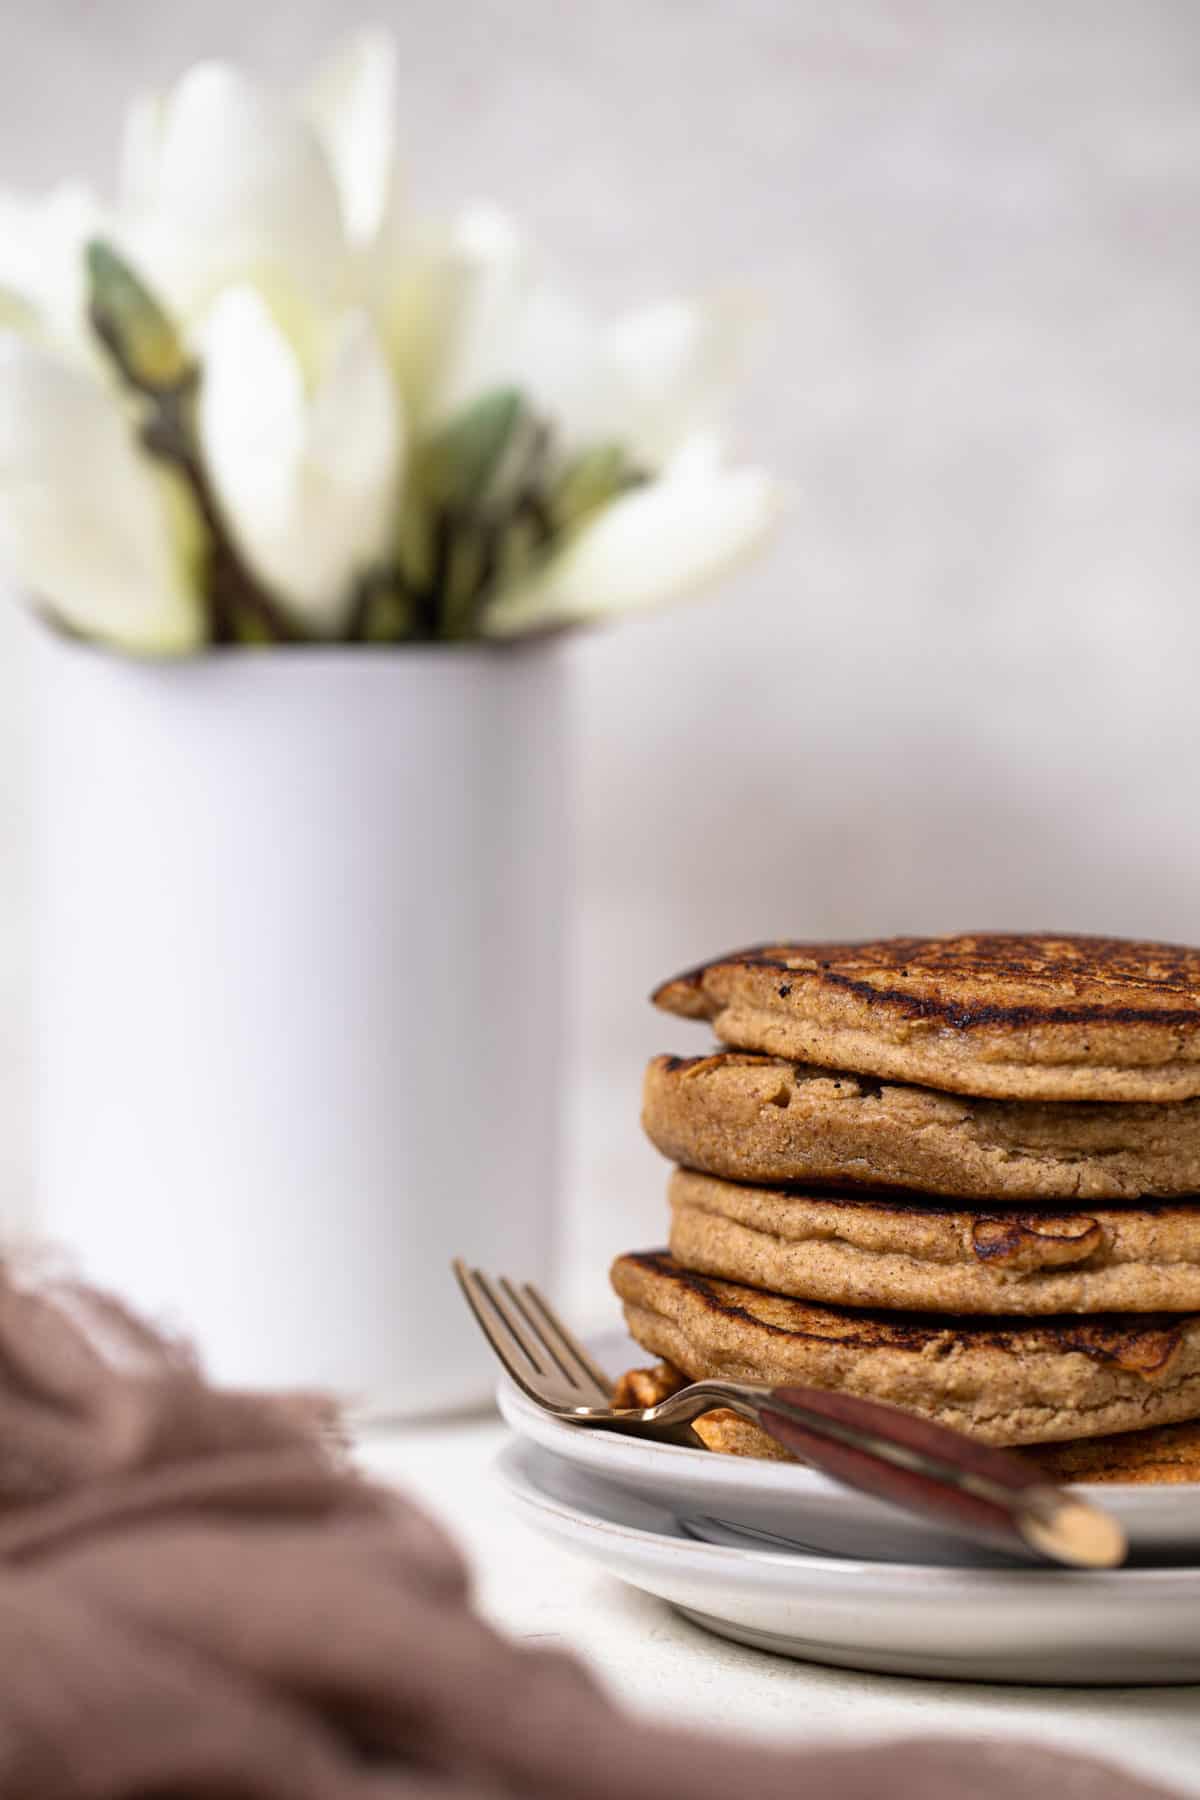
x=975, y=1490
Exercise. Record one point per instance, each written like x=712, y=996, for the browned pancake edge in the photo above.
x=1033, y=1015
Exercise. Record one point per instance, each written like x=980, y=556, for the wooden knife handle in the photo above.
x=1019, y=1508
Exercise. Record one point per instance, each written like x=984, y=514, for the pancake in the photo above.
x=1169, y=1454
x=1164, y=1454
x=893, y=1250
x=992, y=1015
x=760, y=1118
x=1009, y=1381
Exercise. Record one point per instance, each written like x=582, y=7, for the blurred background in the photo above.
x=961, y=690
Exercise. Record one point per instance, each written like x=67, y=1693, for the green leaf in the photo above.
x=487, y=502
x=251, y=629
x=464, y=581
x=588, y=482
x=389, y=614
x=520, y=549
x=133, y=327
x=414, y=539
x=479, y=458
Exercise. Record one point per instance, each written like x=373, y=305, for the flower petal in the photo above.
x=42, y=273
x=308, y=485
x=241, y=190
x=141, y=151
x=84, y=524
x=649, y=382
x=474, y=292
x=505, y=324
x=352, y=104
x=354, y=428
x=674, y=366
x=655, y=542
x=557, y=358
x=250, y=419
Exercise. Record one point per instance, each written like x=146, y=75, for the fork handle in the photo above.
x=975, y=1489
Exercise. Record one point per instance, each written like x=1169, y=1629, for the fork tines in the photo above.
x=539, y=1352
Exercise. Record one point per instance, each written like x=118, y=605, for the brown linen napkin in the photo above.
x=201, y=1600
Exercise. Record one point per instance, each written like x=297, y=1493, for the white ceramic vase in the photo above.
x=299, y=992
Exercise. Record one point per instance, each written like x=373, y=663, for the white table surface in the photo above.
x=664, y=1665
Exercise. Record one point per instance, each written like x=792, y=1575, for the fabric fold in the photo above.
x=201, y=1599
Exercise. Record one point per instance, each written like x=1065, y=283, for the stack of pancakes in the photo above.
x=949, y=1173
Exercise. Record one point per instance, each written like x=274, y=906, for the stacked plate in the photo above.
x=775, y=1555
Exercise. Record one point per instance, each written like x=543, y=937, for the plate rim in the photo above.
x=653, y=1545
x=727, y=1472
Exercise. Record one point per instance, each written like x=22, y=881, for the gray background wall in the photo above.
x=962, y=688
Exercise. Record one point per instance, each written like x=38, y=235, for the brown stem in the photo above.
x=231, y=590
x=374, y=584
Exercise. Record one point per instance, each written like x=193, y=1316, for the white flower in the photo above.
x=87, y=524
x=649, y=380
x=308, y=475
x=257, y=220
x=565, y=467
x=351, y=103
x=646, y=547
x=223, y=183
x=673, y=367
x=43, y=286
x=653, y=382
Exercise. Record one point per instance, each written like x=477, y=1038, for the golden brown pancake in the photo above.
x=897, y=1251
x=761, y=1118
x=1009, y=1381
x=1169, y=1454
x=994, y=1015
x=1164, y=1454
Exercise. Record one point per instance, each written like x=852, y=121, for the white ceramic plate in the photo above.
x=1133, y=1626
x=811, y=1512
